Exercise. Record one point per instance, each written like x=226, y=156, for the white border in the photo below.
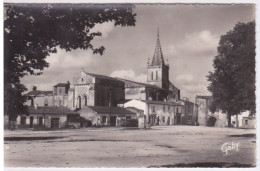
x=135, y=1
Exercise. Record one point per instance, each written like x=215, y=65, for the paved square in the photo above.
x=121, y=147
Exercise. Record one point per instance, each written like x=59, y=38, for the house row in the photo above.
x=105, y=100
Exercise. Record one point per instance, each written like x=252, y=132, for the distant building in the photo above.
x=205, y=117
x=95, y=90
x=90, y=93
x=249, y=122
x=190, y=113
x=156, y=112
x=39, y=98
x=60, y=94
x=105, y=115
x=45, y=117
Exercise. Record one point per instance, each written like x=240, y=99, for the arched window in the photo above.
x=152, y=76
x=156, y=75
x=79, y=102
x=86, y=100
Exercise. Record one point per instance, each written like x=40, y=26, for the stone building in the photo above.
x=156, y=112
x=60, y=94
x=190, y=116
x=89, y=92
x=90, y=89
x=39, y=97
x=45, y=117
x=105, y=115
x=205, y=117
x=158, y=86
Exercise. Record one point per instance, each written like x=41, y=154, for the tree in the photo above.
x=34, y=31
x=233, y=81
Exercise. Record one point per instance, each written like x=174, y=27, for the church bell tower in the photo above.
x=157, y=70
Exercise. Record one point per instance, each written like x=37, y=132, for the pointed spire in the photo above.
x=158, y=56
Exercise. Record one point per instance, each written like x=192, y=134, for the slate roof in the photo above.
x=50, y=110
x=108, y=110
x=38, y=92
x=158, y=55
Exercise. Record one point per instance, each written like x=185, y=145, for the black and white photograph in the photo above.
x=129, y=85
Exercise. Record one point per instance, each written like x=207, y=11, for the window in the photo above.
x=153, y=108
x=246, y=122
x=60, y=102
x=104, y=119
x=128, y=117
x=82, y=79
x=163, y=119
x=163, y=108
x=60, y=91
x=32, y=101
x=45, y=102
x=86, y=100
x=40, y=121
x=23, y=120
x=152, y=76
x=156, y=75
x=55, y=91
x=79, y=102
x=169, y=108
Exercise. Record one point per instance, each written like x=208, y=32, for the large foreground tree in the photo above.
x=233, y=81
x=34, y=31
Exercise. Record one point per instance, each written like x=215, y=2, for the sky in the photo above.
x=189, y=36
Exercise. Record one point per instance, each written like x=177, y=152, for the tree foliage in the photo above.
x=34, y=31
x=233, y=81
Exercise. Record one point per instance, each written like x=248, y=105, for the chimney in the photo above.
x=34, y=88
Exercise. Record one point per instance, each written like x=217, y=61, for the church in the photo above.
x=89, y=89
x=109, y=101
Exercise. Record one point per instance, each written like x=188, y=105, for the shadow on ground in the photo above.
x=205, y=164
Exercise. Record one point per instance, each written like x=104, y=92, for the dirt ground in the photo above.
x=160, y=146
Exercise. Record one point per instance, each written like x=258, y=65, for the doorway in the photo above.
x=55, y=123
x=211, y=121
x=178, y=118
x=31, y=122
x=113, y=120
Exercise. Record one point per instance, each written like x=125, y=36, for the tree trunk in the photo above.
x=237, y=125
x=229, y=119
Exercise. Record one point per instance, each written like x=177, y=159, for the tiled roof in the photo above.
x=110, y=110
x=50, y=110
x=172, y=87
x=160, y=102
x=38, y=92
x=123, y=101
x=204, y=97
x=101, y=76
x=134, y=108
x=136, y=84
x=61, y=85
